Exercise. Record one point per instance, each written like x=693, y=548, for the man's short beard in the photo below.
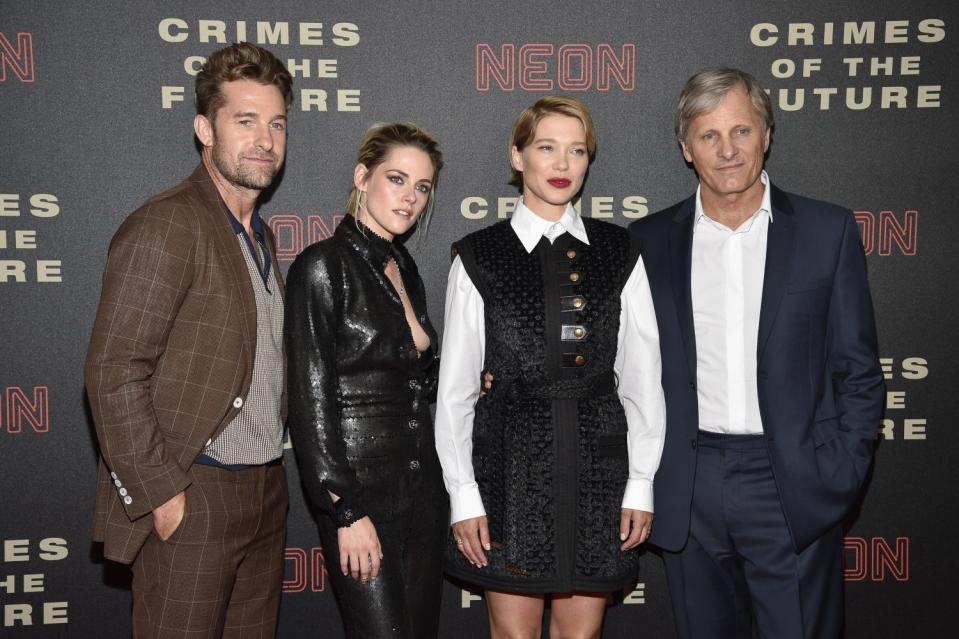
x=239, y=175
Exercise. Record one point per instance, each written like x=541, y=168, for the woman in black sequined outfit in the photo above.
x=550, y=472
x=362, y=373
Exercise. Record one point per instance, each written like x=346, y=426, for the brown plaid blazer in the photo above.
x=171, y=355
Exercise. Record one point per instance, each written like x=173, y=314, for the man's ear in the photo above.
x=203, y=129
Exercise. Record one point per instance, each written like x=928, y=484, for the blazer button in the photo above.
x=348, y=513
x=128, y=500
x=571, y=253
x=580, y=360
x=413, y=424
x=238, y=402
x=574, y=277
x=692, y=385
x=123, y=492
x=413, y=384
x=116, y=482
x=577, y=302
x=415, y=465
x=113, y=475
x=693, y=443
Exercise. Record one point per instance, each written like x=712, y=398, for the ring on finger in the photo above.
x=459, y=542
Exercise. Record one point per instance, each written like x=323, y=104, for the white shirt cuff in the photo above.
x=466, y=503
x=639, y=495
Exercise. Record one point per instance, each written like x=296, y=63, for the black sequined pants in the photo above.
x=404, y=600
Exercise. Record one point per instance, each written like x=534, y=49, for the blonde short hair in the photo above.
x=524, y=129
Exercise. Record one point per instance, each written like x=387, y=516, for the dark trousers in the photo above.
x=739, y=567
x=221, y=571
x=403, y=602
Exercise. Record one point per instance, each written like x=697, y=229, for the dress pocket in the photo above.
x=610, y=446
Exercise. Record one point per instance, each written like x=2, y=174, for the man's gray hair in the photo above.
x=706, y=89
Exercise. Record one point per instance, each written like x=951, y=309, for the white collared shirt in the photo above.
x=726, y=284
x=637, y=366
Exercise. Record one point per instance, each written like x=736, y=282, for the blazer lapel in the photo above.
x=681, y=255
x=780, y=244
x=214, y=215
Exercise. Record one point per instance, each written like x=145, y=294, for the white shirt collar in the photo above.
x=765, y=207
x=529, y=227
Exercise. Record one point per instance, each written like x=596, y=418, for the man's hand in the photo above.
x=472, y=537
x=360, y=551
x=167, y=518
x=487, y=383
x=634, y=527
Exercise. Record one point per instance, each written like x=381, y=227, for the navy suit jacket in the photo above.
x=820, y=385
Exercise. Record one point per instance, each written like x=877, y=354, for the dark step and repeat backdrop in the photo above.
x=96, y=104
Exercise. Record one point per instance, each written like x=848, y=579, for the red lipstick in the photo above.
x=559, y=183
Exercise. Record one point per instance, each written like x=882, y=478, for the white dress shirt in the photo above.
x=727, y=273
x=637, y=366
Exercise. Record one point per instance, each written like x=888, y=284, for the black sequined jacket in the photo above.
x=549, y=440
x=358, y=392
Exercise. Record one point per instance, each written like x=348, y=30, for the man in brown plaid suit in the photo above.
x=186, y=379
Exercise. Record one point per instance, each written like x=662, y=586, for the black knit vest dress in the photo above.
x=549, y=440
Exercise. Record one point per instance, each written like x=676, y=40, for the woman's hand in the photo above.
x=472, y=537
x=360, y=551
x=634, y=527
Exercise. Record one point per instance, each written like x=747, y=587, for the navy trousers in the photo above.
x=739, y=573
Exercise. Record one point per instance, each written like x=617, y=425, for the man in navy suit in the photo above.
x=773, y=387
